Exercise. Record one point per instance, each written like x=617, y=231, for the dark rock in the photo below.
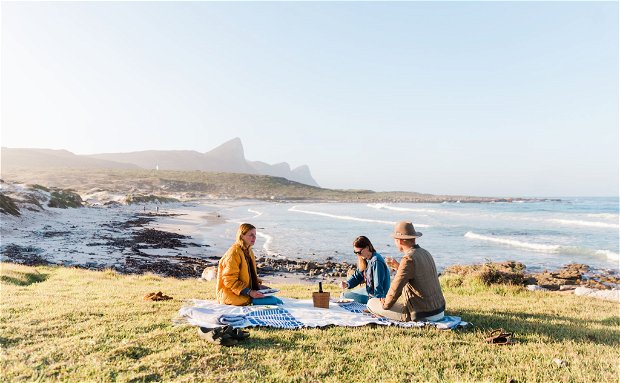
x=25, y=255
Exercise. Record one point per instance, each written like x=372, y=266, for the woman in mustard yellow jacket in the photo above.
x=237, y=278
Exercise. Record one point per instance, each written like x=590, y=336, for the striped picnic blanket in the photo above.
x=296, y=313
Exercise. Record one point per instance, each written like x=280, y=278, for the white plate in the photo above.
x=342, y=300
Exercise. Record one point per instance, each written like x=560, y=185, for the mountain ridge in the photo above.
x=228, y=157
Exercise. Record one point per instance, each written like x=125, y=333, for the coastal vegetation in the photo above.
x=201, y=184
x=63, y=199
x=8, y=206
x=76, y=325
x=138, y=198
x=12, y=200
x=39, y=187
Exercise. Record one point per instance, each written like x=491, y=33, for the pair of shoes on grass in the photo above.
x=158, y=296
x=500, y=337
x=224, y=336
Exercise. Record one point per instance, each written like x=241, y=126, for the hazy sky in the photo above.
x=479, y=98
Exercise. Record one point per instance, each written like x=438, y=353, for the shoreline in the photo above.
x=169, y=240
x=287, y=271
x=153, y=250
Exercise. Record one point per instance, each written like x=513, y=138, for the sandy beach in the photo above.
x=164, y=239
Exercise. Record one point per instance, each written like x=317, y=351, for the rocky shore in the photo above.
x=568, y=278
x=134, y=248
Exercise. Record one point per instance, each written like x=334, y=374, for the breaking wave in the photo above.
x=267, y=244
x=514, y=243
x=258, y=213
x=544, y=248
x=347, y=218
x=585, y=223
x=380, y=206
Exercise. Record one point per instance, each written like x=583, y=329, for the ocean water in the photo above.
x=542, y=235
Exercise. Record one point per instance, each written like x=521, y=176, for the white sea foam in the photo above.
x=377, y=205
x=245, y=219
x=347, y=218
x=344, y=217
x=258, y=213
x=604, y=216
x=544, y=248
x=513, y=242
x=380, y=206
x=267, y=244
x=572, y=222
x=609, y=254
x=584, y=251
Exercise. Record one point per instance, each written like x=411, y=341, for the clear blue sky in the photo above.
x=479, y=98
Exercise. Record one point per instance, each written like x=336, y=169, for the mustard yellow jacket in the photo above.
x=233, y=276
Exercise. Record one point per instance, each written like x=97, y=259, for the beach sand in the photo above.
x=166, y=239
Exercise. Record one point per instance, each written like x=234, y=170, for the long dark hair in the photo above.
x=362, y=242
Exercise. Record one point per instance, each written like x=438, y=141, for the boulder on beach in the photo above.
x=608, y=295
x=569, y=275
x=209, y=273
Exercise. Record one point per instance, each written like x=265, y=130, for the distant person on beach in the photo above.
x=372, y=270
x=237, y=278
x=416, y=277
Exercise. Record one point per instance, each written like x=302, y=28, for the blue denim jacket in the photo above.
x=376, y=275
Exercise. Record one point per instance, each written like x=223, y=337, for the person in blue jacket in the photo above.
x=372, y=270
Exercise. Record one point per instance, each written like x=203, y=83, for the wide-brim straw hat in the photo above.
x=405, y=230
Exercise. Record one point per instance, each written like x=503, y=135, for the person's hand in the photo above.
x=392, y=263
x=256, y=294
x=382, y=300
x=344, y=285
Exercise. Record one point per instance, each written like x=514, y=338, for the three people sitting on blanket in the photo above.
x=371, y=269
x=416, y=279
x=237, y=279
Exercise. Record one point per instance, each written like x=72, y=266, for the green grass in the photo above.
x=77, y=325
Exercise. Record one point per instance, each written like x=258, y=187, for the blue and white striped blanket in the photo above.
x=295, y=313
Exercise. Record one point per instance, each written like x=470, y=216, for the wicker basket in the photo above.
x=320, y=300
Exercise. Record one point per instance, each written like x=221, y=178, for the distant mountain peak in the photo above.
x=232, y=148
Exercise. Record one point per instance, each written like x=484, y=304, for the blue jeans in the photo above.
x=271, y=300
x=359, y=295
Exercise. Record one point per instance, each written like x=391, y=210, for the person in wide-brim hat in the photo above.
x=416, y=280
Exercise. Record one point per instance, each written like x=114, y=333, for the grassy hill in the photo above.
x=76, y=325
x=199, y=184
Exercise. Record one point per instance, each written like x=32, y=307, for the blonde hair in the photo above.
x=243, y=230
